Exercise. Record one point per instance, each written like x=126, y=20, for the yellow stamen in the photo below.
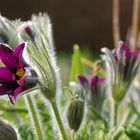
x=18, y=82
x=20, y=72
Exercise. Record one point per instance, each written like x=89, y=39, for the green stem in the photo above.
x=115, y=112
x=59, y=121
x=13, y=110
x=34, y=117
x=98, y=115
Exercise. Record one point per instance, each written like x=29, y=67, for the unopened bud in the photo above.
x=75, y=111
x=29, y=31
x=7, y=132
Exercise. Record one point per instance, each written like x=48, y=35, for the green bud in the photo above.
x=7, y=131
x=75, y=114
x=75, y=110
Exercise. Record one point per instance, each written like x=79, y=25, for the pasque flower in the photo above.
x=38, y=33
x=122, y=65
x=41, y=52
x=16, y=76
x=95, y=89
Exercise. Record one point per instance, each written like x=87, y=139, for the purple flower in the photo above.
x=97, y=82
x=126, y=59
x=95, y=89
x=16, y=76
x=122, y=66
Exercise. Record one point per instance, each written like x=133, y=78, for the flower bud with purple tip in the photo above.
x=42, y=54
x=95, y=90
x=122, y=66
x=30, y=32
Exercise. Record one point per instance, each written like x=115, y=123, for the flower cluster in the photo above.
x=95, y=90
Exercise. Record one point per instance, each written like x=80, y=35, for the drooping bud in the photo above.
x=75, y=110
x=7, y=131
x=29, y=31
x=42, y=54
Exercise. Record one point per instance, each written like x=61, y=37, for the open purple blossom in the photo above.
x=16, y=76
x=121, y=65
x=95, y=89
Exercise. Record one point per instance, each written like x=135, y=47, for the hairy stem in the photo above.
x=115, y=113
x=58, y=118
x=115, y=21
x=135, y=24
x=34, y=117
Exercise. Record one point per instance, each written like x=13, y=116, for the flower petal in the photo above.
x=124, y=49
x=6, y=75
x=121, y=51
x=7, y=57
x=13, y=96
x=19, y=50
x=21, y=81
x=22, y=62
x=134, y=55
x=102, y=81
x=12, y=99
x=83, y=81
x=94, y=81
x=18, y=91
x=5, y=90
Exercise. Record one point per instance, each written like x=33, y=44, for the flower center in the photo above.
x=20, y=72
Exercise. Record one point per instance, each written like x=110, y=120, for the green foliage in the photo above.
x=95, y=131
x=134, y=132
x=26, y=132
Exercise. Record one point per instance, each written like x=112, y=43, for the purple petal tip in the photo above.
x=83, y=80
x=12, y=99
x=94, y=81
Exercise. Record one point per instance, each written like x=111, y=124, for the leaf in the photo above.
x=133, y=134
x=137, y=124
x=77, y=66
